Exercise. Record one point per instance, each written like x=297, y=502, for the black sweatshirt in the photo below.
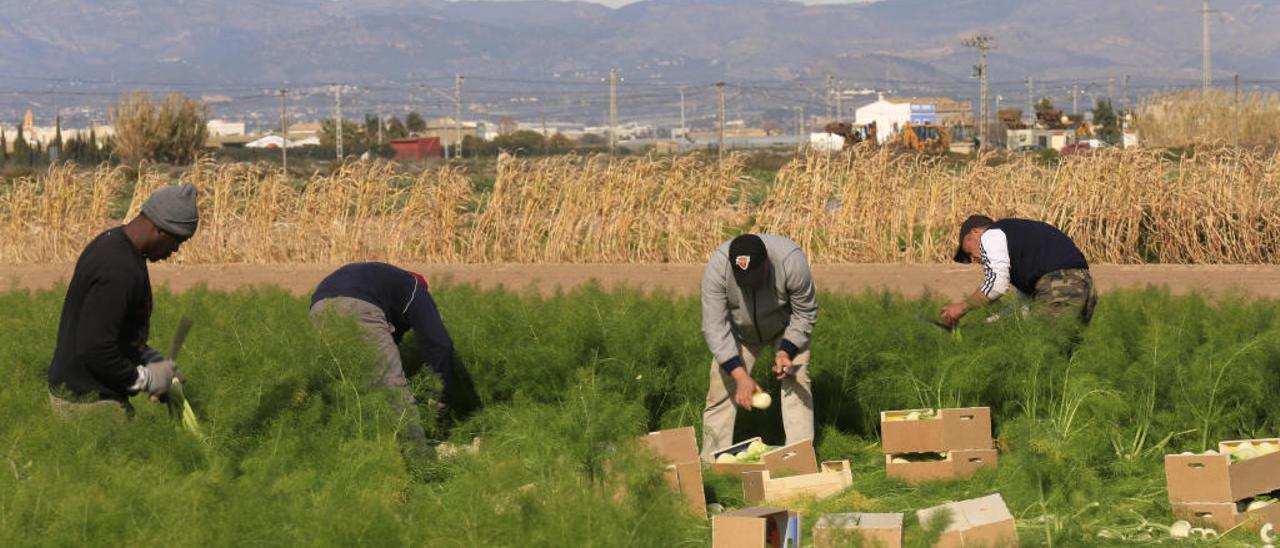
x=105, y=320
x=403, y=298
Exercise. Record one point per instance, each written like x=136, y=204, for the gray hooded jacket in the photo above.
x=785, y=306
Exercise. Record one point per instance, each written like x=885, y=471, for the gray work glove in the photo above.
x=160, y=376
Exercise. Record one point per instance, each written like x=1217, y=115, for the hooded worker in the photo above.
x=757, y=291
x=102, y=357
x=1033, y=257
x=386, y=302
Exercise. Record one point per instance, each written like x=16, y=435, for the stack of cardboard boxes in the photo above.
x=678, y=448
x=923, y=445
x=984, y=521
x=836, y=530
x=1214, y=491
x=756, y=528
x=760, y=487
x=796, y=458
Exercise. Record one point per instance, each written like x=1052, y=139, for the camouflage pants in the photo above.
x=1068, y=290
x=67, y=408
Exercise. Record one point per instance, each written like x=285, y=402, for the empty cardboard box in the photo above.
x=944, y=430
x=1224, y=515
x=759, y=487
x=958, y=464
x=756, y=528
x=679, y=449
x=873, y=530
x=797, y=458
x=1214, y=478
x=976, y=522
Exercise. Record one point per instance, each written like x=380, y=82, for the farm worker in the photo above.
x=757, y=291
x=1034, y=257
x=102, y=357
x=386, y=302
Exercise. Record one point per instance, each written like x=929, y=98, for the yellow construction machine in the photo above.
x=924, y=137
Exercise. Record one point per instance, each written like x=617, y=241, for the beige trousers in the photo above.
x=378, y=331
x=720, y=412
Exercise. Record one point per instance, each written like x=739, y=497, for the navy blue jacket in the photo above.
x=403, y=297
x=1036, y=249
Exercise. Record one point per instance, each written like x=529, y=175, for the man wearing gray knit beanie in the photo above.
x=102, y=357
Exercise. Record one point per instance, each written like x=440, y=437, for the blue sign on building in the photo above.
x=922, y=113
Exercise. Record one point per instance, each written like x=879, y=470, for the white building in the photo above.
x=888, y=116
x=826, y=142
x=223, y=128
x=891, y=115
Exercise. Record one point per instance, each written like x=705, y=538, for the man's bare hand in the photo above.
x=782, y=365
x=747, y=387
x=953, y=312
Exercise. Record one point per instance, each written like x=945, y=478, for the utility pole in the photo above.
x=1205, y=81
x=1125, y=92
x=284, y=131
x=720, y=88
x=983, y=43
x=337, y=121
x=830, y=96
x=840, y=102
x=1236, y=115
x=457, y=113
x=613, y=109
x=683, y=130
x=1075, y=99
x=1030, y=116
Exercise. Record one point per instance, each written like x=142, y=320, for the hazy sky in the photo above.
x=616, y=3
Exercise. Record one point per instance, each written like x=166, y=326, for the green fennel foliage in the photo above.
x=302, y=451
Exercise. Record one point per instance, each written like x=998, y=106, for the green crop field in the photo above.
x=299, y=453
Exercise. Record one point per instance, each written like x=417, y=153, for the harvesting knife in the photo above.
x=177, y=399
x=934, y=323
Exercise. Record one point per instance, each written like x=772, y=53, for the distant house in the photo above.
x=224, y=128
x=1055, y=139
x=892, y=114
x=416, y=148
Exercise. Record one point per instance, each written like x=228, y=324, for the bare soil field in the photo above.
x=681, y=279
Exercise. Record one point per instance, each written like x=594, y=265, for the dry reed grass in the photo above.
x=1190, y=117
x=1120, y=206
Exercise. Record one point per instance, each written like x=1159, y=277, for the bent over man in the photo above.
x=757, y=291
x=1034, y=257
x=102, y=357
x=386, y=302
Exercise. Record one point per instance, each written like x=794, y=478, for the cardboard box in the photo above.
x=679, y=449
x=976, y=522
x=874, y=530
x=759, y=487
x=797, y=458
x=959, y=464
x=756, y=528
x=1214, y=478
x=1224, y=515
x=949, y=429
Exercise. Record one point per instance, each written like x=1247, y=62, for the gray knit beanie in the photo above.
x=173, y=209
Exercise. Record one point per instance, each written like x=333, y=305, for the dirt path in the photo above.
x=679, y=278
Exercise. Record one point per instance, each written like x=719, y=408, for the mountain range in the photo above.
x=209, y=44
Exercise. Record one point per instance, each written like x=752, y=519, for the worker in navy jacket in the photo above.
x=386, y=302
x=1031, y=256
